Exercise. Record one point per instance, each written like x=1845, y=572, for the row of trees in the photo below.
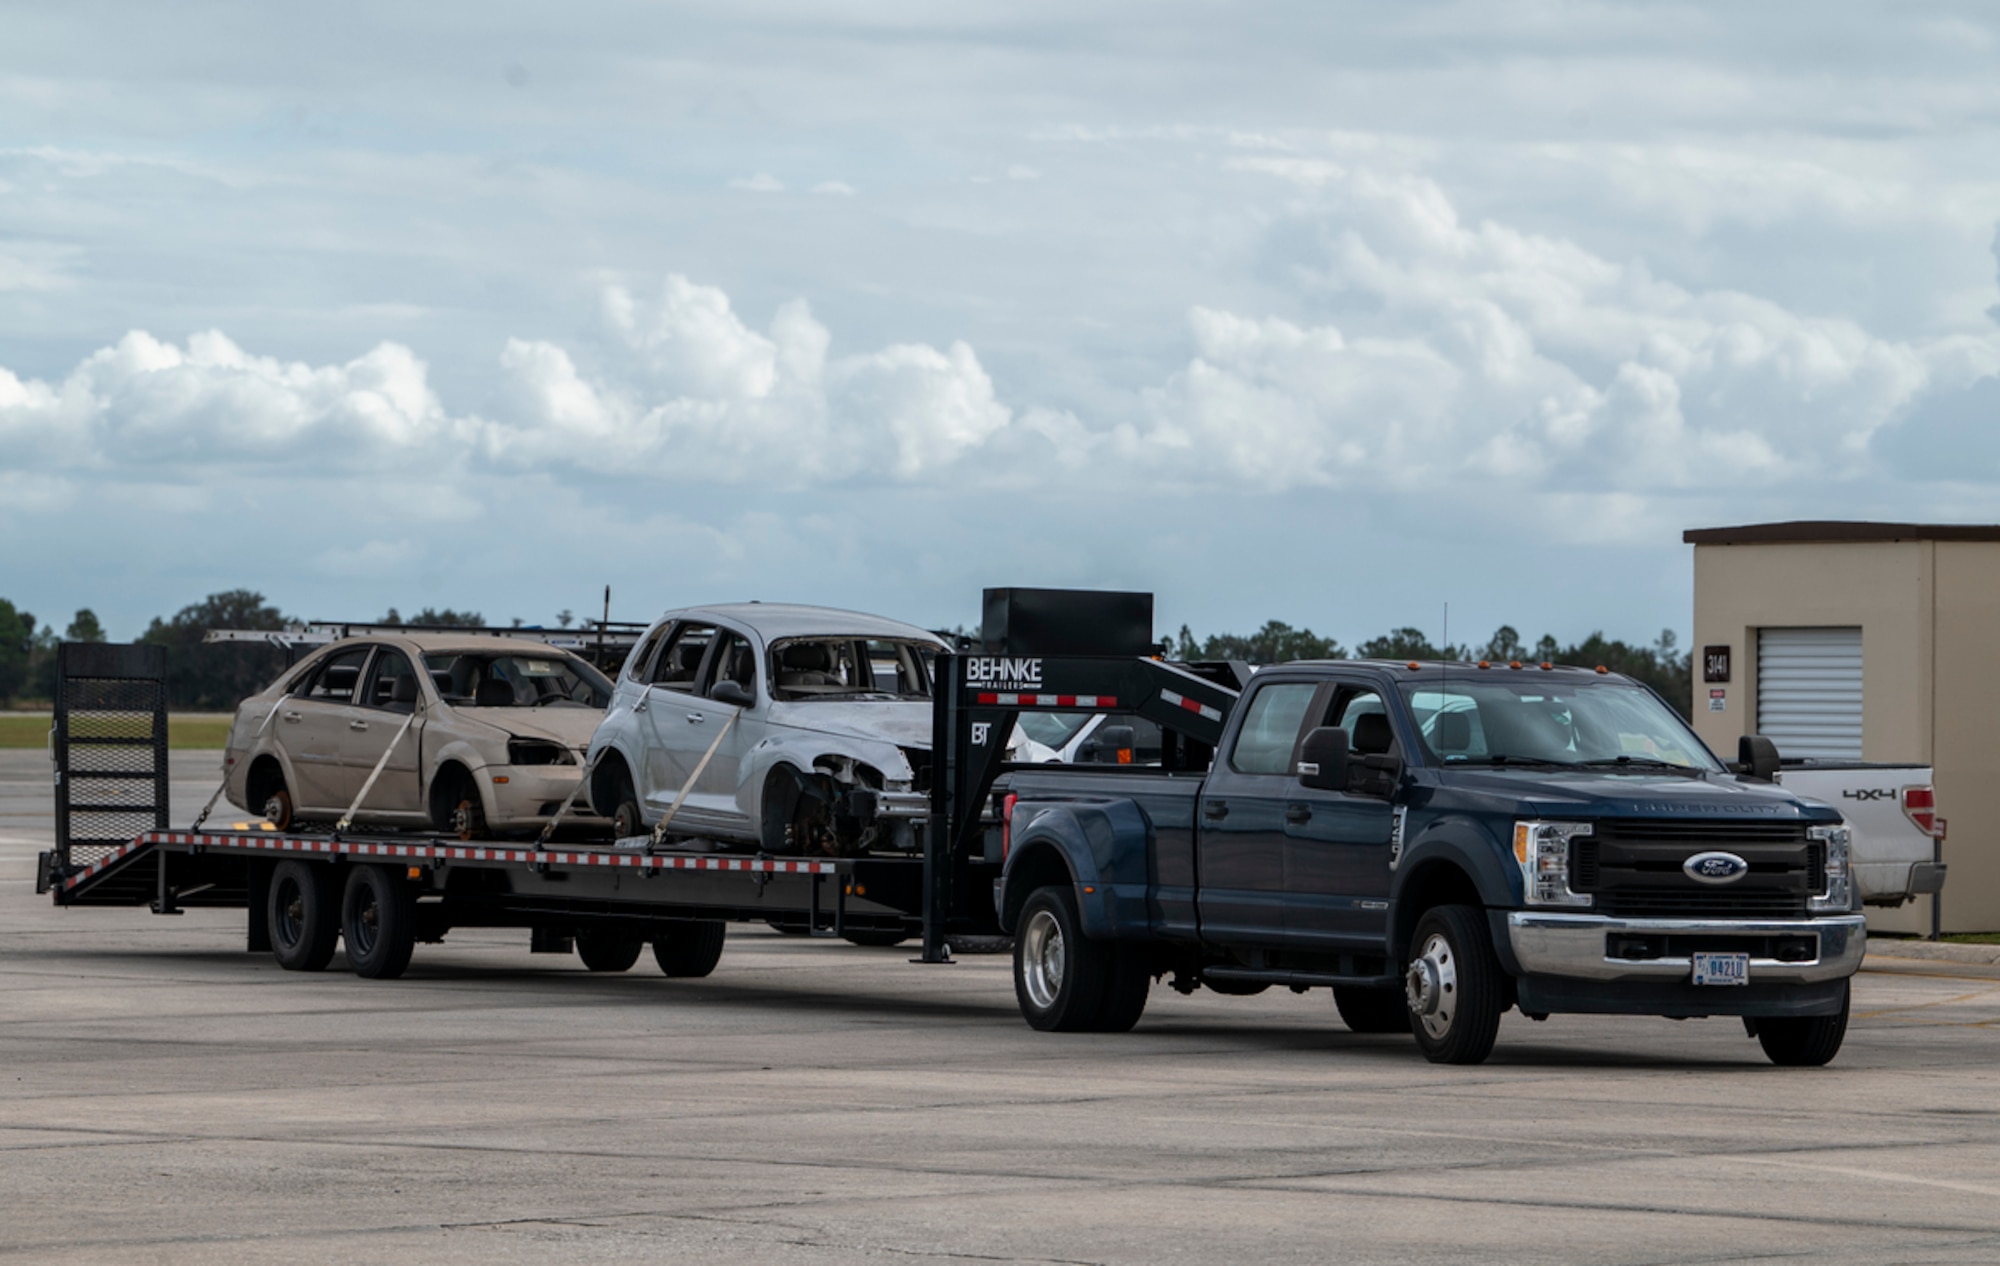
x=218, y=677
x=199, y=676
x=1663, y=665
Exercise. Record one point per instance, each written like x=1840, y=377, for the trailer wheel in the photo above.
x=378, y=918
x=690, y=948
x=1803, y=1041
x=303, y=915
x=1372, y=1010
x=278, y=807
x=605, y=950
x=1453, y=986
x=1059, y=973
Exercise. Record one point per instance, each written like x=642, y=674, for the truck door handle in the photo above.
x=1298, y=813
x=357, y=725
x=1215, y=809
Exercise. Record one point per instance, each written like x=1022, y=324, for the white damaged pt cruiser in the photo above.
x=792, y=729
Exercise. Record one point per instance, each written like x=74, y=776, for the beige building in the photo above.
x=1867, y=641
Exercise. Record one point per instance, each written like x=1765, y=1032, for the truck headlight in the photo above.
x=1839, y=894
x=1542, y=848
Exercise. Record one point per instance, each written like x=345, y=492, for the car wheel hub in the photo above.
x=1431, y=985
x=1042, y=959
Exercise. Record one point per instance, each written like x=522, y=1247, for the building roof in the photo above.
x=1832, y=531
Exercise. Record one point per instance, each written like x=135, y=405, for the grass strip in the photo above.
x=184, y=733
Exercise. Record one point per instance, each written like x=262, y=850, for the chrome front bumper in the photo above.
x=1576, y=946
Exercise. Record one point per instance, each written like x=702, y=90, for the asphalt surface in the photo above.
x=165, y=1097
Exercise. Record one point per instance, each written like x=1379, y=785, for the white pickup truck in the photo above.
x=1892, y=812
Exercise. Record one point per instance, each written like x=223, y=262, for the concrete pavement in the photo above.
x=166, y=1097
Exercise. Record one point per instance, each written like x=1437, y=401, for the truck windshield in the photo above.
x=1609, y=725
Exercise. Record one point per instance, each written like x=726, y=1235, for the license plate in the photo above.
x=1722, y=969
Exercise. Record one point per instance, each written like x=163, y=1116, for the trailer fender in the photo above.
x=1456, y=860
x=1100, y=848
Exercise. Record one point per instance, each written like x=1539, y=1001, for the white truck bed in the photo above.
x=1893, y=858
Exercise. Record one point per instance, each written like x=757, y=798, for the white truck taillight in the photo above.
x=1839, y=893
x=1920, y=807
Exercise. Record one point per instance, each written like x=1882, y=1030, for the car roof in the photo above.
x=425, y=643
x=774, y=620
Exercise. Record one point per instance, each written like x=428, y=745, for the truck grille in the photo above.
x=1634, y=869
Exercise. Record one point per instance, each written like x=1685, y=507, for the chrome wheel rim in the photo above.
x=1042, y=959
x=1431, y=985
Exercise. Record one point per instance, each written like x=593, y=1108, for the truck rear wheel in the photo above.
x=690, y=948
x=1372, y=1010
x=1453, y=986
x=1126, y=985
x=608, y=950
x=303, y=914
x=378, y=919
x=1803, y=1041
x=1059, y=973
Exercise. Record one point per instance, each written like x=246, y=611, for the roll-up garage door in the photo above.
x=1809, y=691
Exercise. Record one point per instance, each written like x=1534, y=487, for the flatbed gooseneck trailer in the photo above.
x=1435, y=843
x=306, y=891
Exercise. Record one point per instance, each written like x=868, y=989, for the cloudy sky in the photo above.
x=1332, y=313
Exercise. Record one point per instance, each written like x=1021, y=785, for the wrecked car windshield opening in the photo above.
x=1052, y=729
x=1607, y=725
x=850, y=668
x=504, y=680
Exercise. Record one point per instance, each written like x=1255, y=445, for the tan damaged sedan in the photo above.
x=488, y=735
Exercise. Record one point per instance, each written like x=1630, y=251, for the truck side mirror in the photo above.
x=1323, y=759
x=1757, y=757
x=733, y=693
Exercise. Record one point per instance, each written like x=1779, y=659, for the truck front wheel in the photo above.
x=1059, y=973
x=1453, y=986
x=1805, y=1041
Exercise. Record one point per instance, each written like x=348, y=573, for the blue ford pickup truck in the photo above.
x=1438, y=843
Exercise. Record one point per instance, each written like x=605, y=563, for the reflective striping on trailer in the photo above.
x=1093, y=702
x=440, y=852
x=1182, y=701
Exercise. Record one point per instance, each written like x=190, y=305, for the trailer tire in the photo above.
x=303, y=915
x=1372, y=1010
x=378, y=920
x=1126, y=985
x=1059, y=973
x=1803, y=1041
x=690, y=948
x=608, y=950
x=1454, y=986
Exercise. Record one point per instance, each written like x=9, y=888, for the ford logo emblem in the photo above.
x=1715, y=868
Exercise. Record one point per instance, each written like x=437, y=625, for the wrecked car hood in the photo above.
x=904, y=724
x=572, y=727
